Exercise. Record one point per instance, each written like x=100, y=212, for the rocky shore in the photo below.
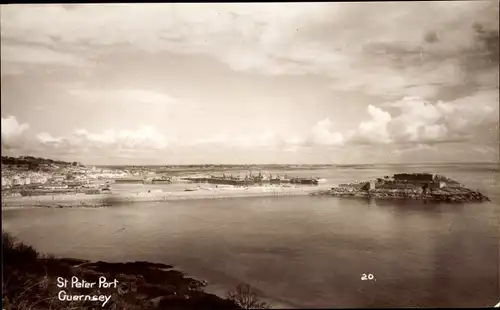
x=31, y=281
x=387, y=188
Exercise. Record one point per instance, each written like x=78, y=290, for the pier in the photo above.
x=248, y=181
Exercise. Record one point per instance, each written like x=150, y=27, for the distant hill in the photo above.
x=34, y=162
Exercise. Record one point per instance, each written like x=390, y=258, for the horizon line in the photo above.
x=274, y=164
x=310, y=164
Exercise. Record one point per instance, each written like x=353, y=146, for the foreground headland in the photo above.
x=103, y=200
x=34, y=281
x=415, y=186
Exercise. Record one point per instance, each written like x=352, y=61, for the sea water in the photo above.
x=301, y=251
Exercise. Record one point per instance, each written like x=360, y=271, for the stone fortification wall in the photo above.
x=396, y=185
x=414, y=177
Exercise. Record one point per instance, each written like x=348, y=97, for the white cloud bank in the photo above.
x=144, y=138
x=422, y=122
x=410, y=121
x=321, y=134
x=13, y=133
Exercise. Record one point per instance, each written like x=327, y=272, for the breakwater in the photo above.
x=251, y=181
x=103, y=200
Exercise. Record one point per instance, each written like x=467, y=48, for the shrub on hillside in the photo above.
x=17, y=252
x=247, y=298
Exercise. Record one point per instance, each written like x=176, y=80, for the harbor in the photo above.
x=147, y=180
x=45, y=178
x=251, y=180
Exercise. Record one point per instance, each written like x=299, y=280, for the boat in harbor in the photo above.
x=162, y=180
x=305, y=181
x=129, y=181
x=280, y=180
x=275, y=181
x=252, y=180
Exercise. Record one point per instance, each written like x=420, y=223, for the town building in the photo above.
x=58, y=178
x=369, y=186
x=38, y=179
x=6, y=182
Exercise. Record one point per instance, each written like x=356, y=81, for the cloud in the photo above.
x=433, y=45
x=47, y=139
x=322, y=135
x=110, y=142
x=421, y=122
x=406, y=123
x=375, y=129
x=401, y=128
x=13, y=133
x=319, y=135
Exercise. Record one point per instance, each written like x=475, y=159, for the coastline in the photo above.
x=105, y=200
x=457, y=195
x=38, y=281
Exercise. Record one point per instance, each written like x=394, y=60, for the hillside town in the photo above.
x=25, y=177
x=31, y=176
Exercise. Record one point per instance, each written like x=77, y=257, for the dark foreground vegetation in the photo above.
x=30, y=282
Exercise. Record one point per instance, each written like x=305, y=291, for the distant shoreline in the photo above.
x=299, y=166
x=104, y=200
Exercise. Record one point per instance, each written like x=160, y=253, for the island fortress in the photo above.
x=412, y=180
x=422, y=186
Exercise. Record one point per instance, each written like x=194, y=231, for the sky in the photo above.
x=251, y=83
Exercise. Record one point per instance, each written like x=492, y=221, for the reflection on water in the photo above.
x=299, y=251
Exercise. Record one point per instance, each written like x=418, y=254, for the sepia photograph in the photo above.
x=250, y=155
